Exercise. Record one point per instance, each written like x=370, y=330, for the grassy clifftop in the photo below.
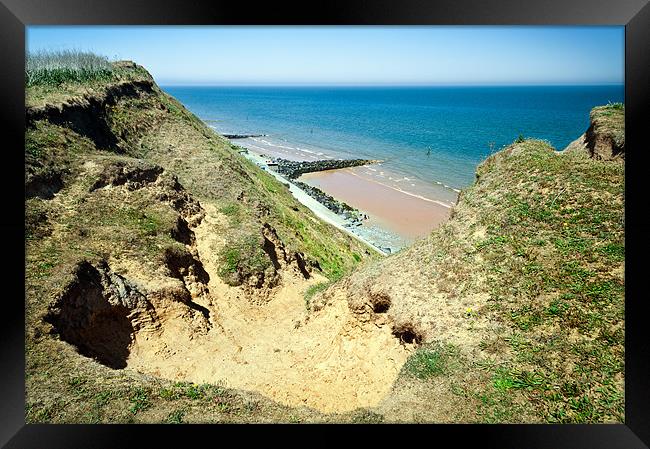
x=605, y=137
x=127, y=118
x=518, y=300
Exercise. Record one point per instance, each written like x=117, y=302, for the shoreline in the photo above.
x=319, y=209
x=383, y=216
x=435, y=191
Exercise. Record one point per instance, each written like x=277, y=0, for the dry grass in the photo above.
x=526, y=280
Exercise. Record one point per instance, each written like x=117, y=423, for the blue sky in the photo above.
x=354, y=55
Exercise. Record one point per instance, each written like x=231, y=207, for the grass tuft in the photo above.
x=429, y=361
x=53, y=68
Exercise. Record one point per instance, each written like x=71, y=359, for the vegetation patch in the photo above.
x=54, y=68
x=133, y=224
x=560, y=237
x=313, y=290
x=430, y=361
x=242, y=259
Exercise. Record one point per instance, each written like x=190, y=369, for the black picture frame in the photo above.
x=15, y=15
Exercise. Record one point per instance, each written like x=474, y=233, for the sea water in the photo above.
x=429, y=135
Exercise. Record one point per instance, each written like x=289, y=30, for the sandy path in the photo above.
x=331, y=360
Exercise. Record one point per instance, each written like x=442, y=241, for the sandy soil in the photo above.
x=407, y=214
x=332, y=360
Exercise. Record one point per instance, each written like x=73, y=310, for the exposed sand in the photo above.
x=408, y=214
x=332, y=359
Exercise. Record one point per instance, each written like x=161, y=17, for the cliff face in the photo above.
x=519, y=297
x=605, y=137
x=149, y=239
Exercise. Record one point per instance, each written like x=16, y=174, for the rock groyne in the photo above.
x=294, y=169
x=242, y=136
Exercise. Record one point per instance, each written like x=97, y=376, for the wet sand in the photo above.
x=400, y=208
x=407, y=214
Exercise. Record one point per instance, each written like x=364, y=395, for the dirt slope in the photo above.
x=154, y=248
x=170, y=280
x=605, y=137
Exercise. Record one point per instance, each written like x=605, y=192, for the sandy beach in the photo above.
x=410, y=215
x=400, y=208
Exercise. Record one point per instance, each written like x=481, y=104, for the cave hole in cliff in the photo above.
x=302, y=265
x=89, y=121
x=182, y=232
x=133, y=176
x=380, y=302
x=44, y=185
x=179, y=261
x=270, y=250
x=84, y=317
x=407, y=333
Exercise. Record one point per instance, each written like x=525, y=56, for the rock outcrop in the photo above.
x=605, y=137
x=242, y=136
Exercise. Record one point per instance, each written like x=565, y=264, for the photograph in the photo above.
x=325, y=224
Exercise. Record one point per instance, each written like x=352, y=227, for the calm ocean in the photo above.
x=435, y=134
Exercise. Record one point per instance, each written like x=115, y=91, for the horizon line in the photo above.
x=291, y=84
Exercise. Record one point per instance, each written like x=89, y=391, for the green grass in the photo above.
x=313, y=290
x=241, y=259
x=563, y=245
x=176, y=417
x=367, y=417
x=139, y=400
x=542, y=235
x=616, y=106
x=230, y=209
x=430, y=361
x=53, y=68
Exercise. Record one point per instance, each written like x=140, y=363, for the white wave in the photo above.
x=415, y=195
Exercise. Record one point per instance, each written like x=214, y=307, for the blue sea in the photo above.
x=435, y=135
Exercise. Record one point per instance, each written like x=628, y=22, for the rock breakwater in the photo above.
x=294, y=169
x=242, y=136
